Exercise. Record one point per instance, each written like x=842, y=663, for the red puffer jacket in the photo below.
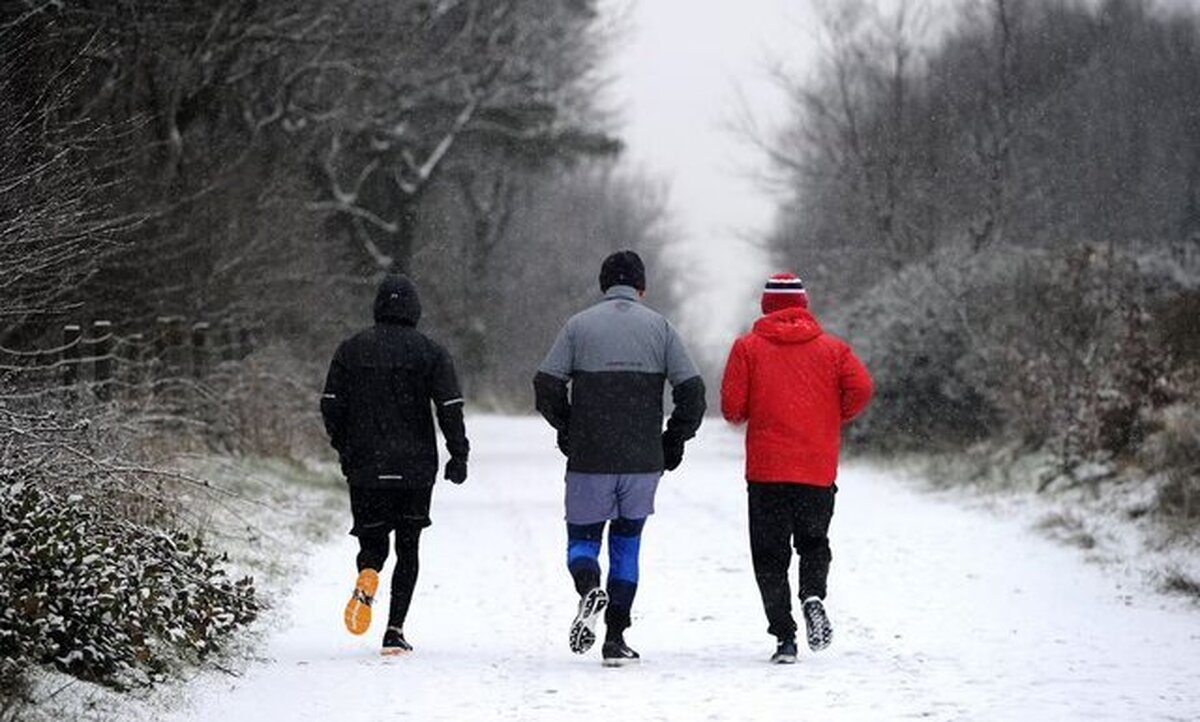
x=795, y=385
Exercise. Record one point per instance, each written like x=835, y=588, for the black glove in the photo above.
x=456, y=470
x=672, y=451
x=564, y=443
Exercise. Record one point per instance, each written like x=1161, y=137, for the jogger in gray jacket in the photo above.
x=601, y=388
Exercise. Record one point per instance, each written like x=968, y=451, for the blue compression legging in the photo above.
x=583, y=561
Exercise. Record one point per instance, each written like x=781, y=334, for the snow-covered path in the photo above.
x=940, y=612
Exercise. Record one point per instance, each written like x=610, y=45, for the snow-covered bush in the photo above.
x=1175, y=452
x=95, y=577
x=263, y=404
x=1051, y=348
x=102, y=598
x=913, y=331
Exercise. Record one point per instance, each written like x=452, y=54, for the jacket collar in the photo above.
x=628, y=293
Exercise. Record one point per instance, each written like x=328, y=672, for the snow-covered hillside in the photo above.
x=940, y=612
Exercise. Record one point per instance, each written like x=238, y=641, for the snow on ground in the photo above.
x=1112, y=522
x=940, y=612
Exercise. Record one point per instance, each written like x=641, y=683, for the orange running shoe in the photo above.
x=358, y=609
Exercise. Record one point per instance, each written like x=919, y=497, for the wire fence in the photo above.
x=100, y=361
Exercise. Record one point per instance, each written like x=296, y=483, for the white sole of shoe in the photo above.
x=620, y=662
x=395, y=652
x=820, y=639
x=583, y=628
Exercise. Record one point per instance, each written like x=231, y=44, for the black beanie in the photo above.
x=623, y=268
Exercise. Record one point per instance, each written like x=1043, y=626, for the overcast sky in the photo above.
x=678, y=73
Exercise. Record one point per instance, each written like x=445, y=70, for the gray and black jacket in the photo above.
x=616, y=357
x=382, y=387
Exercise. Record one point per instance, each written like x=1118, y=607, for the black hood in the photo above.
x=397, y=301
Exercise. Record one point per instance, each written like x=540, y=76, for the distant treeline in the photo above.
x=1007, y=220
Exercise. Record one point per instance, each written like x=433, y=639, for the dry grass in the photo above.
x=1177, y=582
x=1068, y=529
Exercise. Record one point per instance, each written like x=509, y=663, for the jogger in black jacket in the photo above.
x=381, y=393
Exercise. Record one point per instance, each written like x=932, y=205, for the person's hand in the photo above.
x=564, y=443
x=672, y=451
x=456, y=470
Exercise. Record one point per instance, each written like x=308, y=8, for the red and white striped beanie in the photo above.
x=784, y=290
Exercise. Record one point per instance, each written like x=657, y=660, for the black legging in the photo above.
x=373, y=552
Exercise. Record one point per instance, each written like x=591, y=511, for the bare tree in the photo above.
x=505, y=74
x=993, y=119
x=853, y=154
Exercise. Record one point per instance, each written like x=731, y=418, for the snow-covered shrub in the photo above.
x=264, y=404
x=1175, y=453
x=1068, y=357
x=102, y=598
x=1178, y=322
x=1051, y=348
x=271, y=403
x=914, y=331
x=95, y=578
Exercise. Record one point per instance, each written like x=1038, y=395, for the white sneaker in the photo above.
x=583, y=629
x=816, y=623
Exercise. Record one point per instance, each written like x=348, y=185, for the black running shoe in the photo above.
x=583, y=628
x=618, y=654
x=820, y=633
x=785, y=653
x=394, y=642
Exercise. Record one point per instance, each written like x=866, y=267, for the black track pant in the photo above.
x=373, y=552
x=783, y=516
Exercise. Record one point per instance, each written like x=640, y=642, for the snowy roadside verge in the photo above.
x=265, y=516
x=1110, y=521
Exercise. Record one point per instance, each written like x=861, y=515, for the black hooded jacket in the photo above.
x=382, y=387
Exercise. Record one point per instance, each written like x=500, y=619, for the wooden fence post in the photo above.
x=101, y=353
x=177, y=342
x=136, y=358
x=161, y=339
x=70, y=353
x=167, y=349
x=228, y=341
x=199, y=349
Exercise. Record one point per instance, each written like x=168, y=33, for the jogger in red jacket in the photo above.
x=795, y=386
